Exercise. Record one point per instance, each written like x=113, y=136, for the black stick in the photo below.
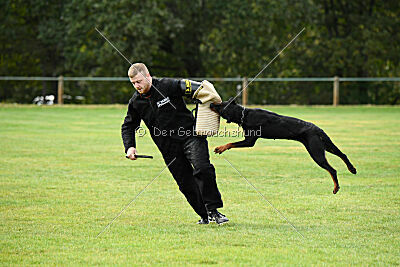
x=141, y=157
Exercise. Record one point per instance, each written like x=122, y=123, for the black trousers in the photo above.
x=193, y=172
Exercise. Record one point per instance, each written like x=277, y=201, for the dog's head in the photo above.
x=229, y=110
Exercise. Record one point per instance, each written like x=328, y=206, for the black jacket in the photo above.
x=164, y=112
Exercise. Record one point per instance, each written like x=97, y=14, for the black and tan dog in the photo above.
x=260, y=123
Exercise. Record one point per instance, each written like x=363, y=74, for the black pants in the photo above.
x=193, y=172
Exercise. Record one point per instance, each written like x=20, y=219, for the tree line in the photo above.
x=203, y=38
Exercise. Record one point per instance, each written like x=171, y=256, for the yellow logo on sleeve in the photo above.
x=188, y=90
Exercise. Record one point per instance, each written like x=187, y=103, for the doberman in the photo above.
x=260, y=123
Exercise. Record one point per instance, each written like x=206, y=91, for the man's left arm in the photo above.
x=182, y=87
x=188, y=87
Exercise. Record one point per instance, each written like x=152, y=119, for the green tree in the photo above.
x=202, y=38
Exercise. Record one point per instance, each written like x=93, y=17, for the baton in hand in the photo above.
x=141, y=157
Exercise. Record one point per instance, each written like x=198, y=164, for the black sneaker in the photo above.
x=210, y=218
x=216, y=216
x=203, y=221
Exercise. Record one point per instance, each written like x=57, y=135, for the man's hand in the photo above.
x=131, y=153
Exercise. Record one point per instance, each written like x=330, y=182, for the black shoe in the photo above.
x=203, y=221
x=210, y=218
x=216, y=216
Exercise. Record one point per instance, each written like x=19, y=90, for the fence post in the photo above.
x=244, y=93
x=335, y=90
x=60, y=91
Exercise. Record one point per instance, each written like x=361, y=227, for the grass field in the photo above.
x=64, y=178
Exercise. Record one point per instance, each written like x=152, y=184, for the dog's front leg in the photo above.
x=247, y=142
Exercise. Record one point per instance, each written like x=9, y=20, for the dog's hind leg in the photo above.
x=331, y=148
x=316, y=149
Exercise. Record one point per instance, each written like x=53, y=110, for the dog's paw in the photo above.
x=219, y=150
x=352, y=170
x=336, y=189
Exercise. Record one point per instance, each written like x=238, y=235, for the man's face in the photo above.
x=141, y=84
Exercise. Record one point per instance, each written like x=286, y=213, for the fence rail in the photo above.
x=244, y=80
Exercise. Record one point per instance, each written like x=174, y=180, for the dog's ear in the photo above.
x=232, y=100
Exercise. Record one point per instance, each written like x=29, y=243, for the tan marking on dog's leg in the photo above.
x=223, y=148
x=336, y=185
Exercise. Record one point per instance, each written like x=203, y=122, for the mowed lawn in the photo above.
x=64, y=177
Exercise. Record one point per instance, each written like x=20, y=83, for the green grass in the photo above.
x=64, y=178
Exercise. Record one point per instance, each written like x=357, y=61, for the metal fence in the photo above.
x=243, y=88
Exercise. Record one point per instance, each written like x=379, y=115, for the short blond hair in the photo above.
x=136, y=68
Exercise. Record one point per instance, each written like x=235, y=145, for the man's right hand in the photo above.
x=131, y=153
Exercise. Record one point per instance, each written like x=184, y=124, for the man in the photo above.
x=159, y=103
